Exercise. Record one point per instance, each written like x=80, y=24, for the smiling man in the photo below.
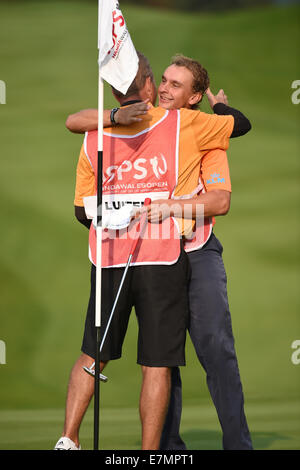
x=183, y=87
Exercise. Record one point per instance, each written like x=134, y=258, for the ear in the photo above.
x=151, y=90
x=148, y=86
x=194, y=99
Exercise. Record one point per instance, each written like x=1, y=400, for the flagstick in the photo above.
x=98, y=264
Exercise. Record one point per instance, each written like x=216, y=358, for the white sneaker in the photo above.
x=64, y=443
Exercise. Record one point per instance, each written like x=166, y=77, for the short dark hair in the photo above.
x=144, y=71
x=200, y=75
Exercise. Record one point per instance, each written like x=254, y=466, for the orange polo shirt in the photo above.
x=203, y=139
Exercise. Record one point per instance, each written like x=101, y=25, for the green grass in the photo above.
x=275, y=427
x=48, y=60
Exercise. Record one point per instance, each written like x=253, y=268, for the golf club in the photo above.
x=90, y=370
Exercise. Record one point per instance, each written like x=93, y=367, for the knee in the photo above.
x=217, y=348
x=87, y=361
x=156, y=373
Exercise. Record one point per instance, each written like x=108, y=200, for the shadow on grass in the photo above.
x=212, y=440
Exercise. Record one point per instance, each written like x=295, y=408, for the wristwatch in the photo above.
x=112, y=115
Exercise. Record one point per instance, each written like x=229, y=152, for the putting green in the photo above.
x=275, y=427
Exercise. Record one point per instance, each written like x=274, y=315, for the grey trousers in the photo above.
x=211, y=333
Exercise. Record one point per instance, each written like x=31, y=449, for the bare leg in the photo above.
x=80, y=392
x=154, y=400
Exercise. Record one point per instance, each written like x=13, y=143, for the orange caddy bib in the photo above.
x=136, y=167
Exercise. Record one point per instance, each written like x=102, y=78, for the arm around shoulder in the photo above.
x=85, y=120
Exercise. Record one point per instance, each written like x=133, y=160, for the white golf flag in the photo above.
x=118, y=60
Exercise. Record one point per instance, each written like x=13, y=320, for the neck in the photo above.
x=127, y=103
x=131, y=98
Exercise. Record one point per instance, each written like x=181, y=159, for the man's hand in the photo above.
x=220, y=97
x=129, y=114
x=157, y=211
x=87, y=119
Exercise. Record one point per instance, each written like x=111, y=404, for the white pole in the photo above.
x=98, y=265
x=98, y=247
x=99, y=205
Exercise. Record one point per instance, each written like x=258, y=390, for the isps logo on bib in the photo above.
x=136, y=176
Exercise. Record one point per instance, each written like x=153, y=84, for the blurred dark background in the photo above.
x=188, y=5
x=207, y=5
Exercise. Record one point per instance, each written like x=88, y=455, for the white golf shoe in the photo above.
x=64, y=443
